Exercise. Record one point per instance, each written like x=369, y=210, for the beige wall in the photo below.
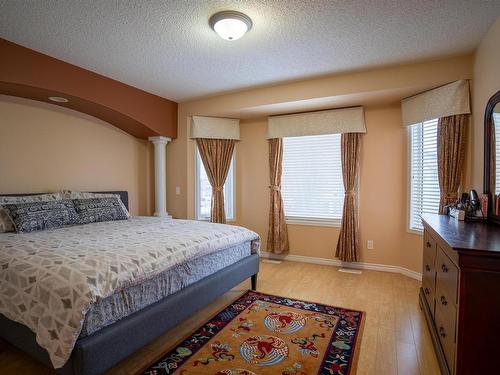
x=485, y=83
x=382, y=193
x=367, y=87
x=383, y=196
x=45, y=147
x=374, y=87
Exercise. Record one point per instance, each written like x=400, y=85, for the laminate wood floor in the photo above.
x=395, y=339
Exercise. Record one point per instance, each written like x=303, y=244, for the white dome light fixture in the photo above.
x=230, y=25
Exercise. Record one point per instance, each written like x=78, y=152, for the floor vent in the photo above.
x=350, y=270
x=272, y=261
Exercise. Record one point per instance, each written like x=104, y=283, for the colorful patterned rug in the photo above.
x=263, y=334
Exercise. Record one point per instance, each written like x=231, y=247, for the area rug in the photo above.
x=264, y=334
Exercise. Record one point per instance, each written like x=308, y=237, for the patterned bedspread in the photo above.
x=50, y=279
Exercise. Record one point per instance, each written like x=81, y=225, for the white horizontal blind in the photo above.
x=496, y=121
x=311, y=183
x=424, y=184
x=204, y=191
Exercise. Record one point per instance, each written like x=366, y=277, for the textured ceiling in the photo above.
x=167, y=48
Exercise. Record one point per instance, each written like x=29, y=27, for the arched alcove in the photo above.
x=30, y=74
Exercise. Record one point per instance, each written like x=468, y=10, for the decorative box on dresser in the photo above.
x=460, y=293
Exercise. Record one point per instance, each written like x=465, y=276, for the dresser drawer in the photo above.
x=429, y=295
x=429, y=274
x=429, y=270
x=447, y=307
x=429, y=249
x=445, y=320
x=446, y=276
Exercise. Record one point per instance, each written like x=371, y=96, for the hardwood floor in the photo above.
x=395, y=338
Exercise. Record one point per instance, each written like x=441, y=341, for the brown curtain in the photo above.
x=347, y=246
x=216, y=155
x=451, y=143
x=277, y=236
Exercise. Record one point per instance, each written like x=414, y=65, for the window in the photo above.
x=204, y=191
x=311, y=184
x=424, y=184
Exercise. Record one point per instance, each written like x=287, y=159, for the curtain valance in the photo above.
x=347, y=120
x=215, y=128
x=448, y=100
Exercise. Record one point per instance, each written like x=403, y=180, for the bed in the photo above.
x=133, y=298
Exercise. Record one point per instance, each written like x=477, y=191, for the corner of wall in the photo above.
x=486, y=82
x=177, y=169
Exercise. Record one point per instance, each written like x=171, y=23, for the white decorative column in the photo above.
x=160, y=144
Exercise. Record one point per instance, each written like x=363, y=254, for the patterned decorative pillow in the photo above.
x=33, y=216
x=69, y=194
x=6, y=224
x=99, y=209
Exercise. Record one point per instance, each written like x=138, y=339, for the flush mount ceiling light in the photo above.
x=58, y=99
x=230, y=25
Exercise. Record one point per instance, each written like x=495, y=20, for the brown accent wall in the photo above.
x=33, y=75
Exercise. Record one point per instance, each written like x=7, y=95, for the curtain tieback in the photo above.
x=275, y=187
x=217, y=188
x=350, y=193
x=452, y=195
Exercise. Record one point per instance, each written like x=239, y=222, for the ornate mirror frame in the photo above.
x=488, y=127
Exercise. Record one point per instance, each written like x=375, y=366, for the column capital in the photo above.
x=159, y=140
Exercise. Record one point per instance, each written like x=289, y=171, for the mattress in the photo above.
x=132, y=299
x=51, y=279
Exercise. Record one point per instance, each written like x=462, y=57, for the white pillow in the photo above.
x=6, y=224
x=69, y=194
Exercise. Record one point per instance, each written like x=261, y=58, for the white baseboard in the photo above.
x=338, y=263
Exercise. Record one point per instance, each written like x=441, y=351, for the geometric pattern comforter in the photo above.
x=49, y=279
x=130, y=300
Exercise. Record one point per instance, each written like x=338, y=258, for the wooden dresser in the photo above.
x=460, y=294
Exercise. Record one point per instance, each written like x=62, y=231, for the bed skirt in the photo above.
x=98, y=352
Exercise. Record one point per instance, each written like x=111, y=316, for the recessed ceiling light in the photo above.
x=58, y=99
x=230, y=25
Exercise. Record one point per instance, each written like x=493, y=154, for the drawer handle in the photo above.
x=444, y=268
x=442, y=332
x=426, y=290
x=427, y=268
x=428, y=244
x=444, y=301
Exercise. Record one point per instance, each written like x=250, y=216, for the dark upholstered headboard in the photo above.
x=123, y=195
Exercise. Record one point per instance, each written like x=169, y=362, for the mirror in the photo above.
x=492, y=157
x=496, y=148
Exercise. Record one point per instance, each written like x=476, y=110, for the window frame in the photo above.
x=409, y=229
x=311, y=221
x=199, y=164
